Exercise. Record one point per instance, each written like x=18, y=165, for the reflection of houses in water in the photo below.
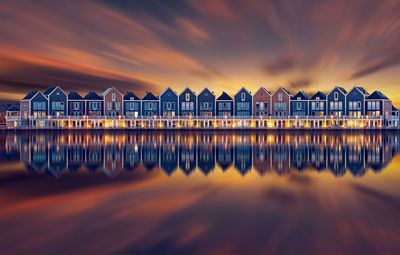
x=132, y=153
x=337, y=156
x=224, y=151
x=169, y=154
x=261, y=154
x=243, y=154
x=113, y=162
x=76, y=152
x=206, y=153
x=299, y=153
x=55, y=153
x=280, y=155
x=57, y=162
x=187, y=154
x=150, y=151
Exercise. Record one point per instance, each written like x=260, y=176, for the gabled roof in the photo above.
x=169, y=88
x=49, y=90
x=377, y=95
x=74, y=95
x=13, y=109
x=301, y=95
x=92, y=96
x=187, y=88
x=243, y=88
x=206, y=90
x=344, y=92
x=108, y=90
x=30, y=95
x=224, y=96
x=129, y=95
x=287, y=92
x=394, y=108
x=262, y=88
x=149, y=96
x=318, y=94
x=362, y=90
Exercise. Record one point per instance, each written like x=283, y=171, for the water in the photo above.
x=200, y=193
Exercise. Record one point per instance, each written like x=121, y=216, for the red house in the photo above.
x=280, y=100
x=112, y=102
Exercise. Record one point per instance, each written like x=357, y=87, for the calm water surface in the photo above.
x=200, y=193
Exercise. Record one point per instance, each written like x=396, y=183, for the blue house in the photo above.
x=187, y=103
x=57, y=106
x=38, y=104
x=206, y=104
x=355, y=102
x=76, y=104
x=150, y=105
x=336, y=100
x=243, y=103
x=299, y=104
x=168, y=103
x=94, y=104
x=131, y=105
x=224, y=105
x=317, y=105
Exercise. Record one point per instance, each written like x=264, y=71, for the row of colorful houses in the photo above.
x=55, y=103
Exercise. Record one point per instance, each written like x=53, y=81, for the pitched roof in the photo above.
x=318, y=94
x=74, y=95
x=129, y=95
x=301, y=95
x=149, y=96
x=394, y=108
x=362, y=90
x=224, y=96
x=93, y=96
x=30, y=95
x=286, y=90
x=342, y=89
x=262, y=88
x=13, y=109
x=49, y=90
x=377, y=95
x=243, y=88
x=206, y=90
x=187, y=89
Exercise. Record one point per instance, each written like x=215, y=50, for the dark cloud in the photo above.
x=376, y=67
x=300, y=83
x=280, y=65
x=30, y=76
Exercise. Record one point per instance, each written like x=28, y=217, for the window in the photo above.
x=187, y=97
x=201, y=106
x=243, y=96
x=317, y=98
x=183, y=106
x=205, y=106
x=369, y=105
x=373, y=105
x=377, y=105
x=257, y=106
x=191, y=106
x=280, y=97
x=313, y=106
x=113, y=96
x=336, y=96
x=117, y=106
x=109, y=106
x=321, y=105
x=340, y=105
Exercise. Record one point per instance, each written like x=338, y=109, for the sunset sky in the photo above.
x=149, y=45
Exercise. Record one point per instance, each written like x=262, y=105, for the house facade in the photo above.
x=131, y=106
x=377, y=104
x=112, y=102
x=317, y=105
x=262, y=103
x=280, y=101
x=168, y=104
x=299, y=104
x=224, y=104
x=94, y=105
x=206, y=104
x=150, y=105
x=243, y=103
x=187, y=102
x=76, y=104
x=336, y=100
x=57, y=102
x=355, y=102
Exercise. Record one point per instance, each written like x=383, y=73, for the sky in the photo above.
x=146, y=45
